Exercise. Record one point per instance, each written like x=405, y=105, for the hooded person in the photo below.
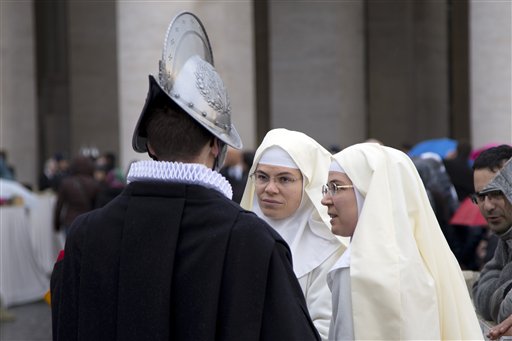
x=173, y=257
x=492, y=291
x=398, y=278
x=284, y=189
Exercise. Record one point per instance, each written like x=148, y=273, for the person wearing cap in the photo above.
x=172, y=257
x=501, y=299
x=493, y=182
x=287, y=174
x=398, y=279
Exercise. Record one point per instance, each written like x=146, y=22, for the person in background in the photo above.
x=247, y=160
x=459, y=170
x=173, y=257
x=55, y=169
x=398, y=278
x=284, y=190
x=495, y=281
x=465, y=241
x=234, y=171
x=502, y=329
x=500, y=302
x=76, y=194
x=110, y=178
x=438, y=180
x=6, y=171
x=490, y=239
x=47, y=176
x=444, y=201
x=63, y=169
x=15, y=193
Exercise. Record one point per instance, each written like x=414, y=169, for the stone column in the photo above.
x=17, y=89
x=408, y=90
x=317, y=69
x=491, y=72
x=93, y=85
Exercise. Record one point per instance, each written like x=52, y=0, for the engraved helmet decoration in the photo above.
x=186, y=75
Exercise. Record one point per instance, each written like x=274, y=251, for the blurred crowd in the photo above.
x=81, y=183
x=90, y=180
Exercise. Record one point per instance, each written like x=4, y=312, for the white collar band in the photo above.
x=188, y=173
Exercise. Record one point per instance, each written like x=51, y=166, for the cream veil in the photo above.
x=312, y=233
x=406, y=282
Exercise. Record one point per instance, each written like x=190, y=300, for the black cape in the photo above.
x=176, y=262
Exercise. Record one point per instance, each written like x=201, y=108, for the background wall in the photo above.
x=74, y=74
x=317, y=76
x=408, y=91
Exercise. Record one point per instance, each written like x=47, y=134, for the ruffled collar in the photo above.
x=188, y=173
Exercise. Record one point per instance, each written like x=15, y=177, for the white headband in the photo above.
x=335, y=167
x=276, y=156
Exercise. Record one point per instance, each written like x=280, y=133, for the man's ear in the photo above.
x=214, y=144
x=151, y=151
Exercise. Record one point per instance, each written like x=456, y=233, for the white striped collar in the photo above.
x=188, y=173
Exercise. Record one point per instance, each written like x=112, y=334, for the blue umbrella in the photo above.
x=441, y=147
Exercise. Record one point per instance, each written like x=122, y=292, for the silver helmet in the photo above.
x=186, y=76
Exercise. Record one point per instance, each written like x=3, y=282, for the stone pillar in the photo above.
x=491, y=72
x=93, y=85
x=141, y=29
x=52, y=55
x=317, y=69
x=408, y=92
x=17, y=89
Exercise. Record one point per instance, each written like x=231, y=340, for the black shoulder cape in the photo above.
x=176, y=262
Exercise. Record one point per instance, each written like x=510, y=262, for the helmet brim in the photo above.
x=139, y=139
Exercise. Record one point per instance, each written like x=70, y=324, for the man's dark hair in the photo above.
x=463, y=149
x=173, y=134
x=493, y=158
x=111, y=158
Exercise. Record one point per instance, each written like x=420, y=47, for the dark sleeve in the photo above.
x=285, y=314
x=261, y=297
x=55, y=283
x=64, y=284
x=505, y=307
x=488, y=291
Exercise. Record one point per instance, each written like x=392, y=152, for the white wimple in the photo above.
x=188, y=173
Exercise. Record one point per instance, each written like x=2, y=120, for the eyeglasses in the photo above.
x=478, y=198
x=332, y=188
x=262, y=180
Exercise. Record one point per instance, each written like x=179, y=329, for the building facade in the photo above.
x=74, y=74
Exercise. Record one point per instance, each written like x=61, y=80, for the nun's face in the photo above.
x=341, y=205
x=279, y=190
